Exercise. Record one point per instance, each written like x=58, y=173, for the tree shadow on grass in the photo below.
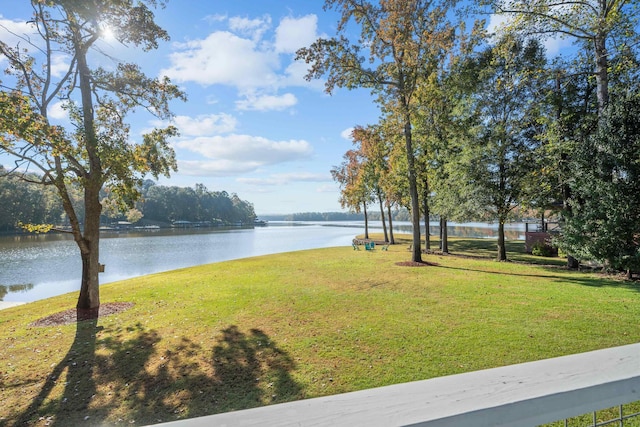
x=115, y=376
x=586, y=279
x=75, y=372
x=250, y=370
x=83, y=371
x=487, y=249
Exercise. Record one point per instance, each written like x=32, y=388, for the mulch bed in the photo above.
x=71, y=316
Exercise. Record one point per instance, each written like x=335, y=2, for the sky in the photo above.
x=252, y=125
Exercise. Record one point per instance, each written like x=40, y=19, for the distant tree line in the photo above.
x=160, y=203
x=22, y=202
x=398, y=215
x=315, y=216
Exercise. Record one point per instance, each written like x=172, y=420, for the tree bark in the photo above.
x=572, y=262
x=602, y=76
x=391, y=238
x=427, y=233
x=416, y=255
x=89, y=299
x=502, y=250
x=444, y=244
x=384, y=221
x=366, y=221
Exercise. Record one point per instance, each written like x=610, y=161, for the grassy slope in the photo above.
x=269, y=329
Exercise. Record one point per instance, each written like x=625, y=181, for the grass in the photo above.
x=276, y=328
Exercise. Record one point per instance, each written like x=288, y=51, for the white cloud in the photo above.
x=223, y=58
x=295, y=73
x=294, y=33
x=306, y=176
x=346, y=134
x=217, y=17
x=205, y=124
x=10, y=32
x=328, y=188
x=286, y=178
x=250, y=151
x=217, y=168
x=245, y=58
x=552, y=44
x=267, y=102
x=59, y=65
x=254, y=28
x=57, y=111
x=556, y=45
x=497, y=23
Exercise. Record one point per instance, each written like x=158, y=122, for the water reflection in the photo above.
x=5, y=289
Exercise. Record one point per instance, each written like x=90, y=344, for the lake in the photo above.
x=34, y=267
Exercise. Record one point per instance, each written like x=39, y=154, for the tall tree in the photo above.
x=436, y=99
x=405, y=40
x=374, y=152
x=353, y=190
x=605, y=222
x=602, y=25
x=95, y=150
x=500, y=160
x=571, y=113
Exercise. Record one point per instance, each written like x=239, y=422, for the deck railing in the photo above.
x=625, y=415
x=528, y=394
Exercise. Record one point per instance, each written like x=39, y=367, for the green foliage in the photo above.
x=353, y=189
x=604, y=222
x=498, y=157
x=35, y=208
x=542, y=249
x=606, y=27
x=166, y=204
x=26, y=201
x=36, y=228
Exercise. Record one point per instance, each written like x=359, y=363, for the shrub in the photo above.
x=542, y=249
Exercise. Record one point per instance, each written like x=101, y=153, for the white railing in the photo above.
x=527, y=394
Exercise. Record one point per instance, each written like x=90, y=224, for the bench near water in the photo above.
x=527, y=394
x=368, y=244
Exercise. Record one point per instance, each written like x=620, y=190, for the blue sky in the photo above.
x=252, y=124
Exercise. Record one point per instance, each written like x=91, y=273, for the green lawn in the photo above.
x=270, y=329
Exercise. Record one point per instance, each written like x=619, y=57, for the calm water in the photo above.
x=37, y=267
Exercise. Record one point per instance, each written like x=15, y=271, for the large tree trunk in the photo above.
x=384, y=221
x=572, y=262
x=416, y=255
x=502, y=249
x=427, y=214
x=391, y=238
x=564, y=161
x=89, y=299
x=444, y=235
x=366, y=221
x=602, y=76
